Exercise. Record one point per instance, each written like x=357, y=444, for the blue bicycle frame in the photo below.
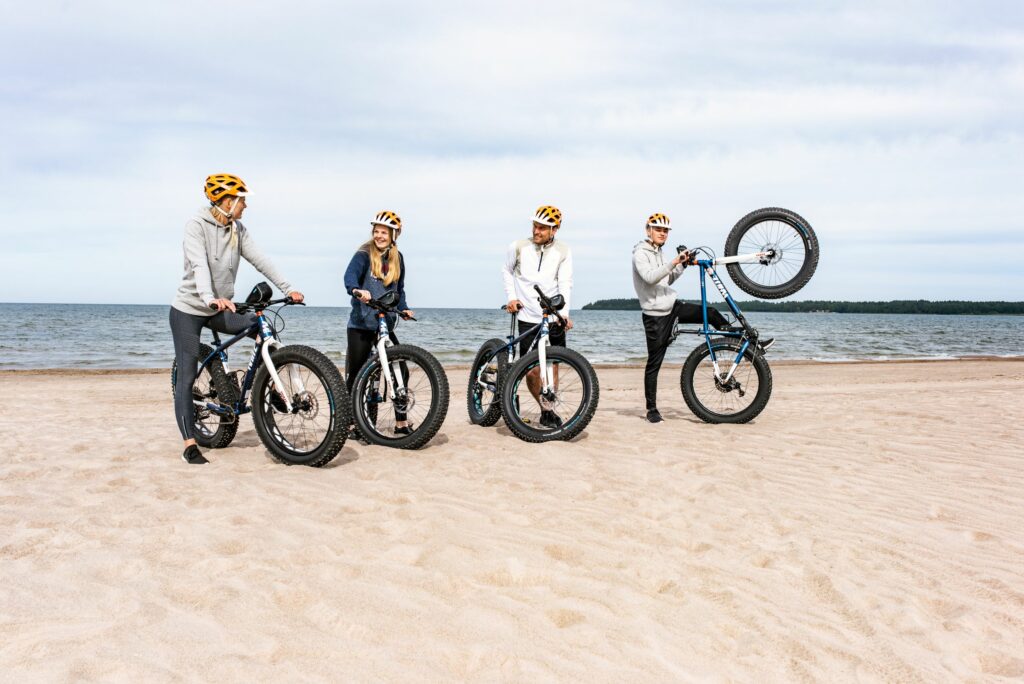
x=266, y=342
x=747, y=335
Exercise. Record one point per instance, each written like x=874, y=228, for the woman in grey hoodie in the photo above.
x=652, y=276
x=215, y=242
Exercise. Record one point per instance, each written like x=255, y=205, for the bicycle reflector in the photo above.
x=260, y=293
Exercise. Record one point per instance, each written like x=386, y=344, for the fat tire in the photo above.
x=764, y=382
x=227, y=394
x=575, y=424
x=337, y=396
x=486, y=352
x=426, y=430
x=804, y=272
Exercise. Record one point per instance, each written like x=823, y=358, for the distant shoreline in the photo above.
x=896, y=306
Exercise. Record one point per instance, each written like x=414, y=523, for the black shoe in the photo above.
x=765, y=344
x=354, y=433
x=193, y=456
x=404, y=430
x=654, y=416
x=550, y=419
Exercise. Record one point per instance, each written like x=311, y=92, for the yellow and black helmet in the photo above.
x=658, y=221
x=388, y=219
x=548, y=216
x=224, y=184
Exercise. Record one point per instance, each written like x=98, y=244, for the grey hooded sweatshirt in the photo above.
x=212, y=253
x=652, y=275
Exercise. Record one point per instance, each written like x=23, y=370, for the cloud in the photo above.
x=895, y=130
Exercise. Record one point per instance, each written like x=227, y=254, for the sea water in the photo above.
x=138, y=336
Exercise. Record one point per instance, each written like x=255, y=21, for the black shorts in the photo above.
x=556, y=336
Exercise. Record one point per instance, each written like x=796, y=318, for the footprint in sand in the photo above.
x=565, y=618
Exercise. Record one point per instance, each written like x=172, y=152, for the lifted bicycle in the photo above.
x=300, y=408
x=770, y=253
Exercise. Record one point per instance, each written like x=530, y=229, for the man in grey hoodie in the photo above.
x=652, y=276
x=215, y=242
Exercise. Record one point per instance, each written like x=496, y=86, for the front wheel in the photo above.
x=314, y=431
x=483, y=396
x=534, y=417
x=792, y=243
x=736, y=400
x=213, y=430
x=421, y=403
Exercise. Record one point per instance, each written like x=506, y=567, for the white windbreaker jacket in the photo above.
x=526, y=265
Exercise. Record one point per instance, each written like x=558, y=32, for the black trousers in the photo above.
x=360, y=343
x=658, y=330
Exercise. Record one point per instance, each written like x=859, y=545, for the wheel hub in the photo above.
x=775, y=254
x=306, y=404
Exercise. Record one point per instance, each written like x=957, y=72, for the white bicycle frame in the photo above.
x=383, y=342
x=745, y=258
x=547, y=372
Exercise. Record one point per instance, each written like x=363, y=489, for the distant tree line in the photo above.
x=900, y=306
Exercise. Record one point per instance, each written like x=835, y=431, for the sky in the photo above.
x=895, y=128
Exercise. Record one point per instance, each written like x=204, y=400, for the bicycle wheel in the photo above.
x=573, y=404
x=212, y=386
x=795, y=246
x=739, y=400
x=423, y=402
x=315, y=430
x=483, y=395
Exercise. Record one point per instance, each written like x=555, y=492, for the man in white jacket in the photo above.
x=539, y=260
x=652, y=276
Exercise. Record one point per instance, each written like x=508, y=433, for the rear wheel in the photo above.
x=563, y=415
x=794, y=248
x=738, y=400
x=314, y=431
x=213, y=385
x=483, y=396
x=422, y=403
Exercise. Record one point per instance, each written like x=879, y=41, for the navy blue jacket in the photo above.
x=358, y=276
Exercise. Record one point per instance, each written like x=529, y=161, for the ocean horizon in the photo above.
x=112, y=336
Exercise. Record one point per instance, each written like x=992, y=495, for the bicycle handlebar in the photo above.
x=546, y=304
x=245, y=307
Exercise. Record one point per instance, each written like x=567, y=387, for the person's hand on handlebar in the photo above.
x=407, y=314
x=688, y=258
x=513, y=305
x=222, y=305
x=362, y=295
x=568, y=323
x=296, y=296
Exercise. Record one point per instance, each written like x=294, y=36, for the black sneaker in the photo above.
x=193, y=456
x=404, y=430
x=765, y=344
x=654, y=416
x=550, y=419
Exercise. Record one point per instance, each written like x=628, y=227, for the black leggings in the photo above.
x=659, y=333
x=185, y=328
x=360, y=344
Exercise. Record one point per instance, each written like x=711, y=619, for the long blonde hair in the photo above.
x=377, y=260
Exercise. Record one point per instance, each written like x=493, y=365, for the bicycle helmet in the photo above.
x=223, y=184
x=548, y=216
x=388, y=219
x=658, y=221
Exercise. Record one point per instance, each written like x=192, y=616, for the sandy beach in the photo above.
x=866, y=527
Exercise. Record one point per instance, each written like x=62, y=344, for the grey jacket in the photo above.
x=212, y=254
x=652, y=275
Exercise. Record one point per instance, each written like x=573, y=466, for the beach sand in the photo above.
x=868, y=526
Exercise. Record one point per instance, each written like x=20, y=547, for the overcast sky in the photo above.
x=895, y=128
